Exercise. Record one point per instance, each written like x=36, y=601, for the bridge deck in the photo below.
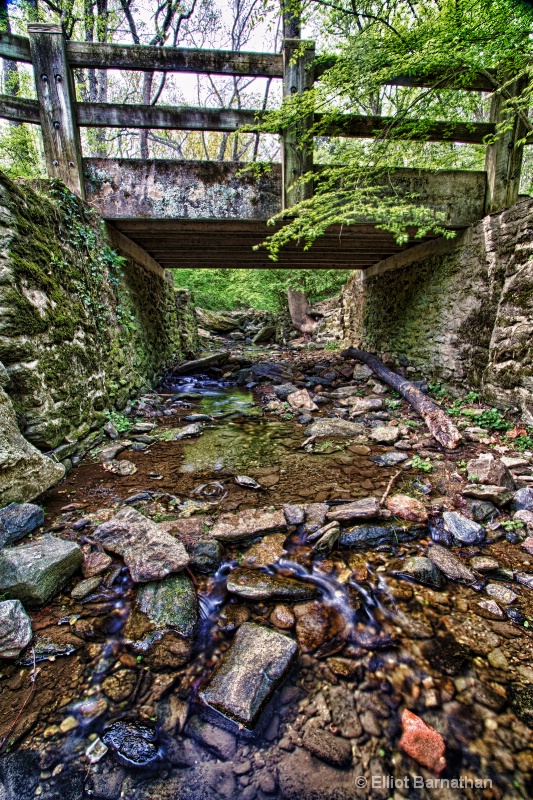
x=211, y=214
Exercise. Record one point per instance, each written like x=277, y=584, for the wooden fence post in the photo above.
x=297, y=156
x=503, y=160
x=56, y=95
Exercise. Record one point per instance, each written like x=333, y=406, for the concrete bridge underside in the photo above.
x=211, y=214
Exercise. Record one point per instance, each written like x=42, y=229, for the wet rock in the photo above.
x=220, y=742
x=119, y=686
x=316, y=624
x=390, y=459
x=305, y=419
x=375, y=535
x=487, y=469
x=294, y=515
x=133, y=742
x=264, y=334
x=525, y=579
x=483, y=510
x=282, y=617
x=304, y=777
x=337, y=428
x=35, y=572
x=285, y=390
x=149, y=552
x=266, y=552
x=25, y=472
x=303, y=400
x=238, y=688
x=17, y=520
x=247, y=524
x=343, y=667
x=422, y=570
x=422, y=742
x=489, y=609
x=462, y=529
x=501, y=593
x=169, y=604
x=327, y=747
x=187, y=432
x=484, y=563
x=252, y=584
x=450, y=564
x=405, y=507
x=15, y=628
x=206, y=554
x=521, y=700
x=383, y=434
x=170, y=653
x=362, y=405
x=85, y=587
x=367, y=508
x=497, y=659
x=492, y=493
x=315, y=517
x=200, y=364
x=95, y=564
x=523, y=500
x=526, y=517
x=246, y=482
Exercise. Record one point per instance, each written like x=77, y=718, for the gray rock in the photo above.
x=248, y=674
x=448, y=563
x=4, y=376
x=220, y=742
x=422, y=570
x=525, y=579
x=15, y=628
x=501, y=593
x=383, y=434
x=361, y=405
x=201, y=363
x=247, y=524
x=206, y=554
x=252, y=584
x=284, y=390
x=375, y=535
x=488, y=469
x=484, y=563
x=523, y=500
x=17, y=520
x=111, y=430
x=462, y=529
x=490, y=492
x=264, y=334
x=327, y=747
x=24, y=472
x=315, y=516
x=390, y=459
x=187, y=432
x=338, y=428
x=367, y=508
x=147, y=549
x=171, y=604
x=85, y=587
x=483, y=510
x=294, y=515
x=35, y=572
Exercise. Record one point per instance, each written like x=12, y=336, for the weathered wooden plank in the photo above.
x=366, y=127
x=55, y=91
x=19, y=109
x=174, y=59
x=296, y=152
x=14, y=48
x=111, y=115
x=503, y=160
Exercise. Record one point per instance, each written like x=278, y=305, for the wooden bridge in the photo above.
x=209, y=213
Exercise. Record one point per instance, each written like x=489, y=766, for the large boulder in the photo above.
x=15, y=628
x=24, y=472
x=217, y=321
x=161, y=606
x=147, y=549
x=35, y=572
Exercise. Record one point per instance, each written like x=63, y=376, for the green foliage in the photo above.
x=331, y=346
x=19, y=151
x=423, y=464
x=121, y=423
x=524, y=442
x=226, y=289
x=512, y=525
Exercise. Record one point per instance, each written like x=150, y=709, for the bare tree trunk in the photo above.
x=147, y=96
x=440, y=425
x=298, y=309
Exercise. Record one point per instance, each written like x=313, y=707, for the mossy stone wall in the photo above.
x=464, y=317
x=83, y=326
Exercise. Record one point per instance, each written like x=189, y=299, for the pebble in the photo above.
x=501, y=593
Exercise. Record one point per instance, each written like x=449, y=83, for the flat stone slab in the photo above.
x=247, y=524
x=334, y=427
x=200, y=363
x=367, y=508
x=252, y=584
x=15, y=628
x=147, y=549
x=249, y=673
x=450, y=564
x=34, y=573
x=17, y=520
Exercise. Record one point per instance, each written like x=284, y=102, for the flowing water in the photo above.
x=96, y=717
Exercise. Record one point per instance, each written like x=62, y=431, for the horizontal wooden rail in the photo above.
x=362, y=127
x=19, y=109
x=14, y=48
x=174, y=59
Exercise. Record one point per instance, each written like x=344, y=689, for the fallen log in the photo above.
x=440, y=425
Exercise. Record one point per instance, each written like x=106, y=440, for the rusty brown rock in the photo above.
x=406, y=507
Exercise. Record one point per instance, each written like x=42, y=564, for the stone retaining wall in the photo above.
x=464, y=317
x=87, y=321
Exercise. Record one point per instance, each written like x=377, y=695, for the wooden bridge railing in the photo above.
x=61, y=116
